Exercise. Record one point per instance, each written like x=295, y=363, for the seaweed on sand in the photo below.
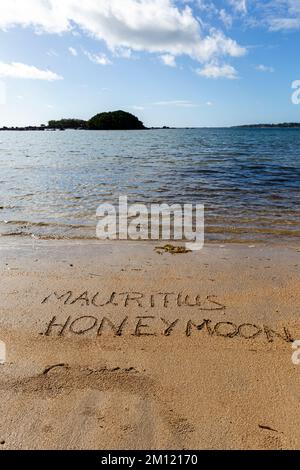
x=174, y=250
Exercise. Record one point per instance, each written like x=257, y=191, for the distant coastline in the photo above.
x=121, y=120
x=250, y=126
x=283, y=125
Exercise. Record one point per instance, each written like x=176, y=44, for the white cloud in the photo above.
x=239, y=5
x=217, y=44
x=281, y=15
x=168, y=59
x=19, y=70
x=137, y=108
x=123, y=52
x=155, y=26
x=100, y=59
x=218, y=71
x=73, y=51
x=226, y=18
x=209, y=103
x=207, y=6
x=278, y=24
x=264, y=68
x=177, y=103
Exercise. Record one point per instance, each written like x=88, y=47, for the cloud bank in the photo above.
x=154, y=26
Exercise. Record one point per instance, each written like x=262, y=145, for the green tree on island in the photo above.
x=117, y=120
x=68, y=124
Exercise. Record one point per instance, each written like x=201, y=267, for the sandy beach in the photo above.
x=114, y=346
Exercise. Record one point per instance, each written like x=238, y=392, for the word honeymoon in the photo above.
x=148, y=325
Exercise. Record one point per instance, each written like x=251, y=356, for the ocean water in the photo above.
x=51, y=183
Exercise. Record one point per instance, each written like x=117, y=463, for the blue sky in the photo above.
x=176, y=63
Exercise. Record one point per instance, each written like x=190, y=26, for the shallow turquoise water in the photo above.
x=249, y=179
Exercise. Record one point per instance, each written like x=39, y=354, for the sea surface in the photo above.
x=51, y=183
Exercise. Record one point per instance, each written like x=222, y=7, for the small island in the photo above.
x=116, y=120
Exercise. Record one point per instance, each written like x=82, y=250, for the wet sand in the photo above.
x=114, y=346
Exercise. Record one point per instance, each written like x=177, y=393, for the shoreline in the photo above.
x=113, y=346
x=30, y=239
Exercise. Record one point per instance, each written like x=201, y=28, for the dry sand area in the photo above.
x=114, y=346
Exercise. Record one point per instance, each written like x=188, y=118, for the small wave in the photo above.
x=47, y=237
x=28, y=224
x=14, y=234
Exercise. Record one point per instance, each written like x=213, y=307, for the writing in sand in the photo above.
x=136, y=299
x=150, y=325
